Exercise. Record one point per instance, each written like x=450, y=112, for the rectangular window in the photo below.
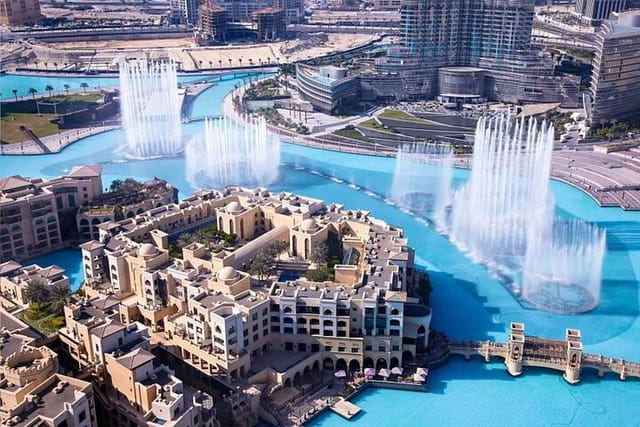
x=315, y=348
x=342, y=349
x=367, y=347
x=382, y=348
x=288, y=346
x=354, y=349
x=327, y=348
x=395, y=347
x=275, y=329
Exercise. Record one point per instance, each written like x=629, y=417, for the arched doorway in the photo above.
x=287, y=382
x=306, y=371
x=341, y=365
x=241, y=228
x=294, y=245
x=354, y=366
x=381, y=363
x=306, y=248
x=327, y=364
x=407, y=358
x=421, y=339
x=394, y=363
x=297, y=379
x=367, y=363
x=315, y=367
x=231, y=226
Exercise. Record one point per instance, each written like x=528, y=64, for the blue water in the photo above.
x=22, y=82
x=468, y=303
x=69, y=259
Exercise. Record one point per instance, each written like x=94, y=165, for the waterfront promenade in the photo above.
x=561, y=355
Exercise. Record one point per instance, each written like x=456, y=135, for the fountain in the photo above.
x=232, y=153
x=503, y=217
x=150, y=108
x=415, y=187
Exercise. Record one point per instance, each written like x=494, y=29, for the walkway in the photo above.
x=561, y=355
x=54, y=143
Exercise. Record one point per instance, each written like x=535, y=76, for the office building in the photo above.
x=15, y=13
x=491, y=35
x=615, y=82
x=594, y=12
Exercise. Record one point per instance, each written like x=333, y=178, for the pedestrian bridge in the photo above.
x=562, y=355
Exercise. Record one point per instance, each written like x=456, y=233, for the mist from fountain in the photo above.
x=231, y=153
x=150, y=107
x=415, y=187
x=504, y=217
x=508, y=186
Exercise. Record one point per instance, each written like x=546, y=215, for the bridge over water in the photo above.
x=561, y=355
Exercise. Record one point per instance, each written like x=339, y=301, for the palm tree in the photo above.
x=229, y=62
x=32, y=91
x=200, y=62
x=220, y=62
x=59, y=298
x=240, y=61
x=36, y=293
x=15, y=93
x=84, y=86
x=268, y=60
x=55, y=64
x=66, y=88
x=210, y=64
x=46, y=65
x=49, y=89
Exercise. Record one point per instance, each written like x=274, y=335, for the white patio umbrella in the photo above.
x=422, y=371
x=396, y=371
x=384, y=372
x=370, y=372
x=340, y=374
x=418, y=378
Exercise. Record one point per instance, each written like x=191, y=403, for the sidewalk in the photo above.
x=54, y=143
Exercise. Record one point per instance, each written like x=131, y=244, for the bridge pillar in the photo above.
x=574, y=356
x=623, y=372
x=515, y=349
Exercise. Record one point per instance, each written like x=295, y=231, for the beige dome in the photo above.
x=147, y=249
x=234, y=207
x=309, y=224
x=227, y=273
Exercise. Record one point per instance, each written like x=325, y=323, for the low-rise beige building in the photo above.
x=228, y=324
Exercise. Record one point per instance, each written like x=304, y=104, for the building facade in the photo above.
x=226, y=323
x=14, y=13
x=327, y=88
x=493, y=35
x=594, y=12
x=615, y=81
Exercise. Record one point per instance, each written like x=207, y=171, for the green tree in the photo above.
x=276, y=248
x=32, y=91
x=115, y=185
x=118, y=213
x=66, y=88
x=15, y=93
x=36, y=292
x=84, y=86
x=49, y=89
x=319, y=254
x=262, y=264
x=59, y=298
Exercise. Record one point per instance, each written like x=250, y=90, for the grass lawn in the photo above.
x=41, y=320
x=40, y=125
x=390, y=113
x=373, y=124
x=351, y=133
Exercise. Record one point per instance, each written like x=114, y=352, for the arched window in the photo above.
x=421, y=329
x=218, y=330
x=51, y=219
x=328, y=312
x=302, y=321
x=395, y=322
x=287, y=320
x=342, y=323
x=294, y=245
x=314, y=322
x=241, y=228
x=395, y=311
x=84, y=221
x=288, y=310
x=327, y=323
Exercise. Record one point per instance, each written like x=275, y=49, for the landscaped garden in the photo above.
x=45, y=312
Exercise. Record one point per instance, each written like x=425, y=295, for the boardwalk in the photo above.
x=561, y=355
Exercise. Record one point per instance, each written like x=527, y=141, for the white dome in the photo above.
x=147, y=249
x=234, y=207
x=309, y=224
x=227, y=273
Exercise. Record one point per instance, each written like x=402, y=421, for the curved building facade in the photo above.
x=328, y=89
